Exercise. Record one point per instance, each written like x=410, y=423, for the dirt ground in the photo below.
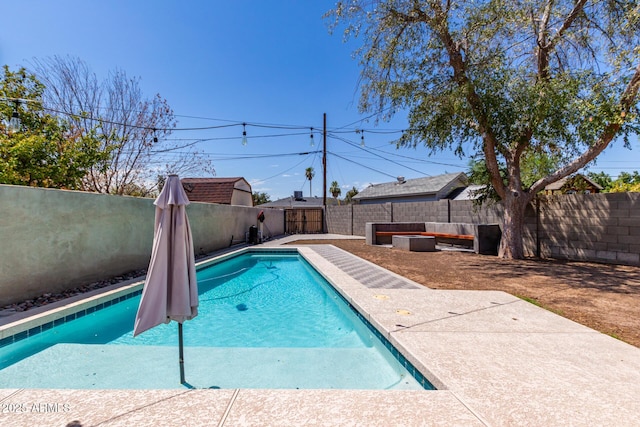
x=601, y=296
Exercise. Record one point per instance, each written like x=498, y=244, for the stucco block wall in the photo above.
x=52, y=240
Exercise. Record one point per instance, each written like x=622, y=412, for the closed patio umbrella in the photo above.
x=170, y=289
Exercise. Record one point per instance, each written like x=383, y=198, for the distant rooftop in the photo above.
x=214, y=190
x=411, y=187
x=303, y=202
x=558, y=185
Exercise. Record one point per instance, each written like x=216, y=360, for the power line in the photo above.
x=378, y=155
x=287, y=170
x=258, y=156
x=361, y=165
x=229, y=123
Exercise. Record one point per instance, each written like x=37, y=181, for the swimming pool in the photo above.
x=266, y=320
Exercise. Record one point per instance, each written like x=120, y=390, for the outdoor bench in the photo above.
x=426, y=233
x=484, y=238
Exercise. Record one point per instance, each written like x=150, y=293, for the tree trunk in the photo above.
x=512, y=245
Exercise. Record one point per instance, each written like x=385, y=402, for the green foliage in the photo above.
x=260, y=198
x=335, y=189
x=309, y=173
x=46, y=151
x=534, y=166
x=479, y=175
x=626, y=182
x=348, y=199
x=603, y=179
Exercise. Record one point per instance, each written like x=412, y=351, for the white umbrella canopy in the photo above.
x=170, y=289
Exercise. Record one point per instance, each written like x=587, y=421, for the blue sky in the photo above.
x=259, y=62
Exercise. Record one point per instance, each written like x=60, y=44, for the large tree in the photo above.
x=510, y=79
x=133, y=127
x=45, y=151
x=260, y=198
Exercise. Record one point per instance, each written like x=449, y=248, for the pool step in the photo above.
x=148, y=367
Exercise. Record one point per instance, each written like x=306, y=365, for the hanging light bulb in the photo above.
x=14, y=122
x=311, y=141
x=361, y=138
x=155, y=137
x=244, y=134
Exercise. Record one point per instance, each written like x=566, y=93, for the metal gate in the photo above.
x=303, y=221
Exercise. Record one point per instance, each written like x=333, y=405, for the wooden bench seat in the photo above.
x=426, y=233
x=398, y=233
x=448, y=235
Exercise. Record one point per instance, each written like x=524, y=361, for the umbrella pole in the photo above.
x=181, y=353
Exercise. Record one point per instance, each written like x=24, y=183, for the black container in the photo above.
x=253, y=235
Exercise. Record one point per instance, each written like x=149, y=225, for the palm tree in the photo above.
x=309, y=173
x=350, y=195
x=335, y=190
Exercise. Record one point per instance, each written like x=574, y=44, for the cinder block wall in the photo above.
x=421, y=211
x=52, y=240
x=340, y=219
x=596, y=227
x=590, y=227
x=465, y=211
x=370, y=213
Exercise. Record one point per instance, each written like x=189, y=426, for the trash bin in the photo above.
x=253, y=235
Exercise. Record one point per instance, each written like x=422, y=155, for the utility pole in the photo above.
x=324, y=159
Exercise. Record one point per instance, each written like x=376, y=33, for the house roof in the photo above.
x=466, y=193
x=560, y=183
x=304, y=202
x=410, y=187
x=212, y=190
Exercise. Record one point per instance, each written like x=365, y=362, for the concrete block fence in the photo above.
x=54, y=240
x=598, y=227
x=581, y=227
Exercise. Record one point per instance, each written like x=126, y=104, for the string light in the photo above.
x=14, y=122
x=361, y=138
x=244, y=134
x=311, y=141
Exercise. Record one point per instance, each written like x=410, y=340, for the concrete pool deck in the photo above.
x=495, y=359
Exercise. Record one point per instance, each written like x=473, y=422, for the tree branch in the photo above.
x=545, y=48
x=577, y=8
x=627, y=99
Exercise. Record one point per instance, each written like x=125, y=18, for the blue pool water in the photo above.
x=265, y=321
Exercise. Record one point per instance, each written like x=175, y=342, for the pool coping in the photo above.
x=495, y=359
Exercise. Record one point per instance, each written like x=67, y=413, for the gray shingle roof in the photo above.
x=410, y=187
